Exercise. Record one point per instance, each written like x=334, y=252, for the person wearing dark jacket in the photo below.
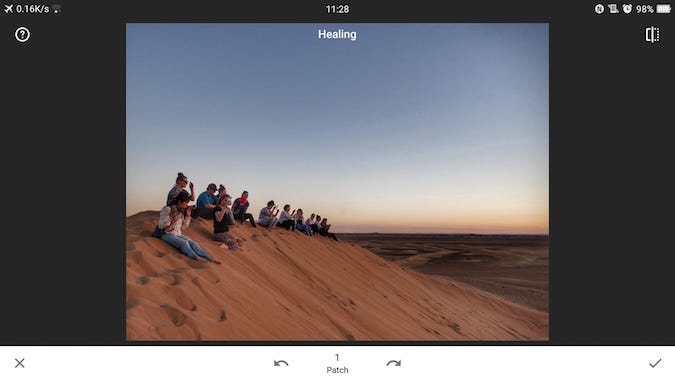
x=323, y=231
x=222, y=222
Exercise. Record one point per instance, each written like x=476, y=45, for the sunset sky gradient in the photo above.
x=410, y=128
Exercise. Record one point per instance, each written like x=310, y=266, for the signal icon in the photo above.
x=56, y=8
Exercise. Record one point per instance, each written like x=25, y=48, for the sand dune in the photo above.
x=287, y=286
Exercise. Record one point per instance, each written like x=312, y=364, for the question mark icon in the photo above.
x=22, y=34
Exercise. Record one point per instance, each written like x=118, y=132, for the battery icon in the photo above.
x=662, y=8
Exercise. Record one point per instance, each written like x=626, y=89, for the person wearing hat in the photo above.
x=206, y=202
x=268, y=217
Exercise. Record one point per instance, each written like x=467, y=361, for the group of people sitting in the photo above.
x=177, y=214
x=294, y=220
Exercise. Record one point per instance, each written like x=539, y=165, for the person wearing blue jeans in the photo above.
x=172, y=219
x=189, y=247
x=299, y=225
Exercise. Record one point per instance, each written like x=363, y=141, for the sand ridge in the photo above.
x=290, y=287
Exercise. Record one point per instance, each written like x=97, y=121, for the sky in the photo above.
x=411, y=128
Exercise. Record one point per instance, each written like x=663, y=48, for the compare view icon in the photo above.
x=652, y=34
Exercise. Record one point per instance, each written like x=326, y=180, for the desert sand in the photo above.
x=285, y=286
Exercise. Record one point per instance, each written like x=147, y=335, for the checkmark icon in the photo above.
x=655, y=364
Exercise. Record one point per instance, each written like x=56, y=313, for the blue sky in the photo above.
x=410, y=128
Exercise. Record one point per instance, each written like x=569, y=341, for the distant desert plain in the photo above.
x=514, y=267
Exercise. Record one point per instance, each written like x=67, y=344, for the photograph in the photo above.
x=352, y=182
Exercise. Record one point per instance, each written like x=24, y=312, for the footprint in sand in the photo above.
x=175, y=316
x=145, y=267
x=182, y=298
x=132, y=303
x=175, y=280
x=134, y=255
x=195, y=281
x=210, y=277
x=197, y=264
x=176, y=270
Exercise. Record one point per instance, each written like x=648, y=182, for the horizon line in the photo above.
x=477, y=233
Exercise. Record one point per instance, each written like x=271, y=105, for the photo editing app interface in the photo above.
x=298, y=197
x=362, y=199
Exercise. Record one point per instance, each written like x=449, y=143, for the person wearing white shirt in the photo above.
x=268, y=217
x=287, y=218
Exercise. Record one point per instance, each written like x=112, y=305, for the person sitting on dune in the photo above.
x=300, y=226
x=287, y=219
x=268, y=217
x=206, y=203
x=222, y=222
x=172, y=219
x=317, y=224
x=323, y=231
x=240, y=207
x=221, y=191
x=181, y=182
x=311, y=223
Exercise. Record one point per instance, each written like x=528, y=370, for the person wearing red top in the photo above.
x=239, y=209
